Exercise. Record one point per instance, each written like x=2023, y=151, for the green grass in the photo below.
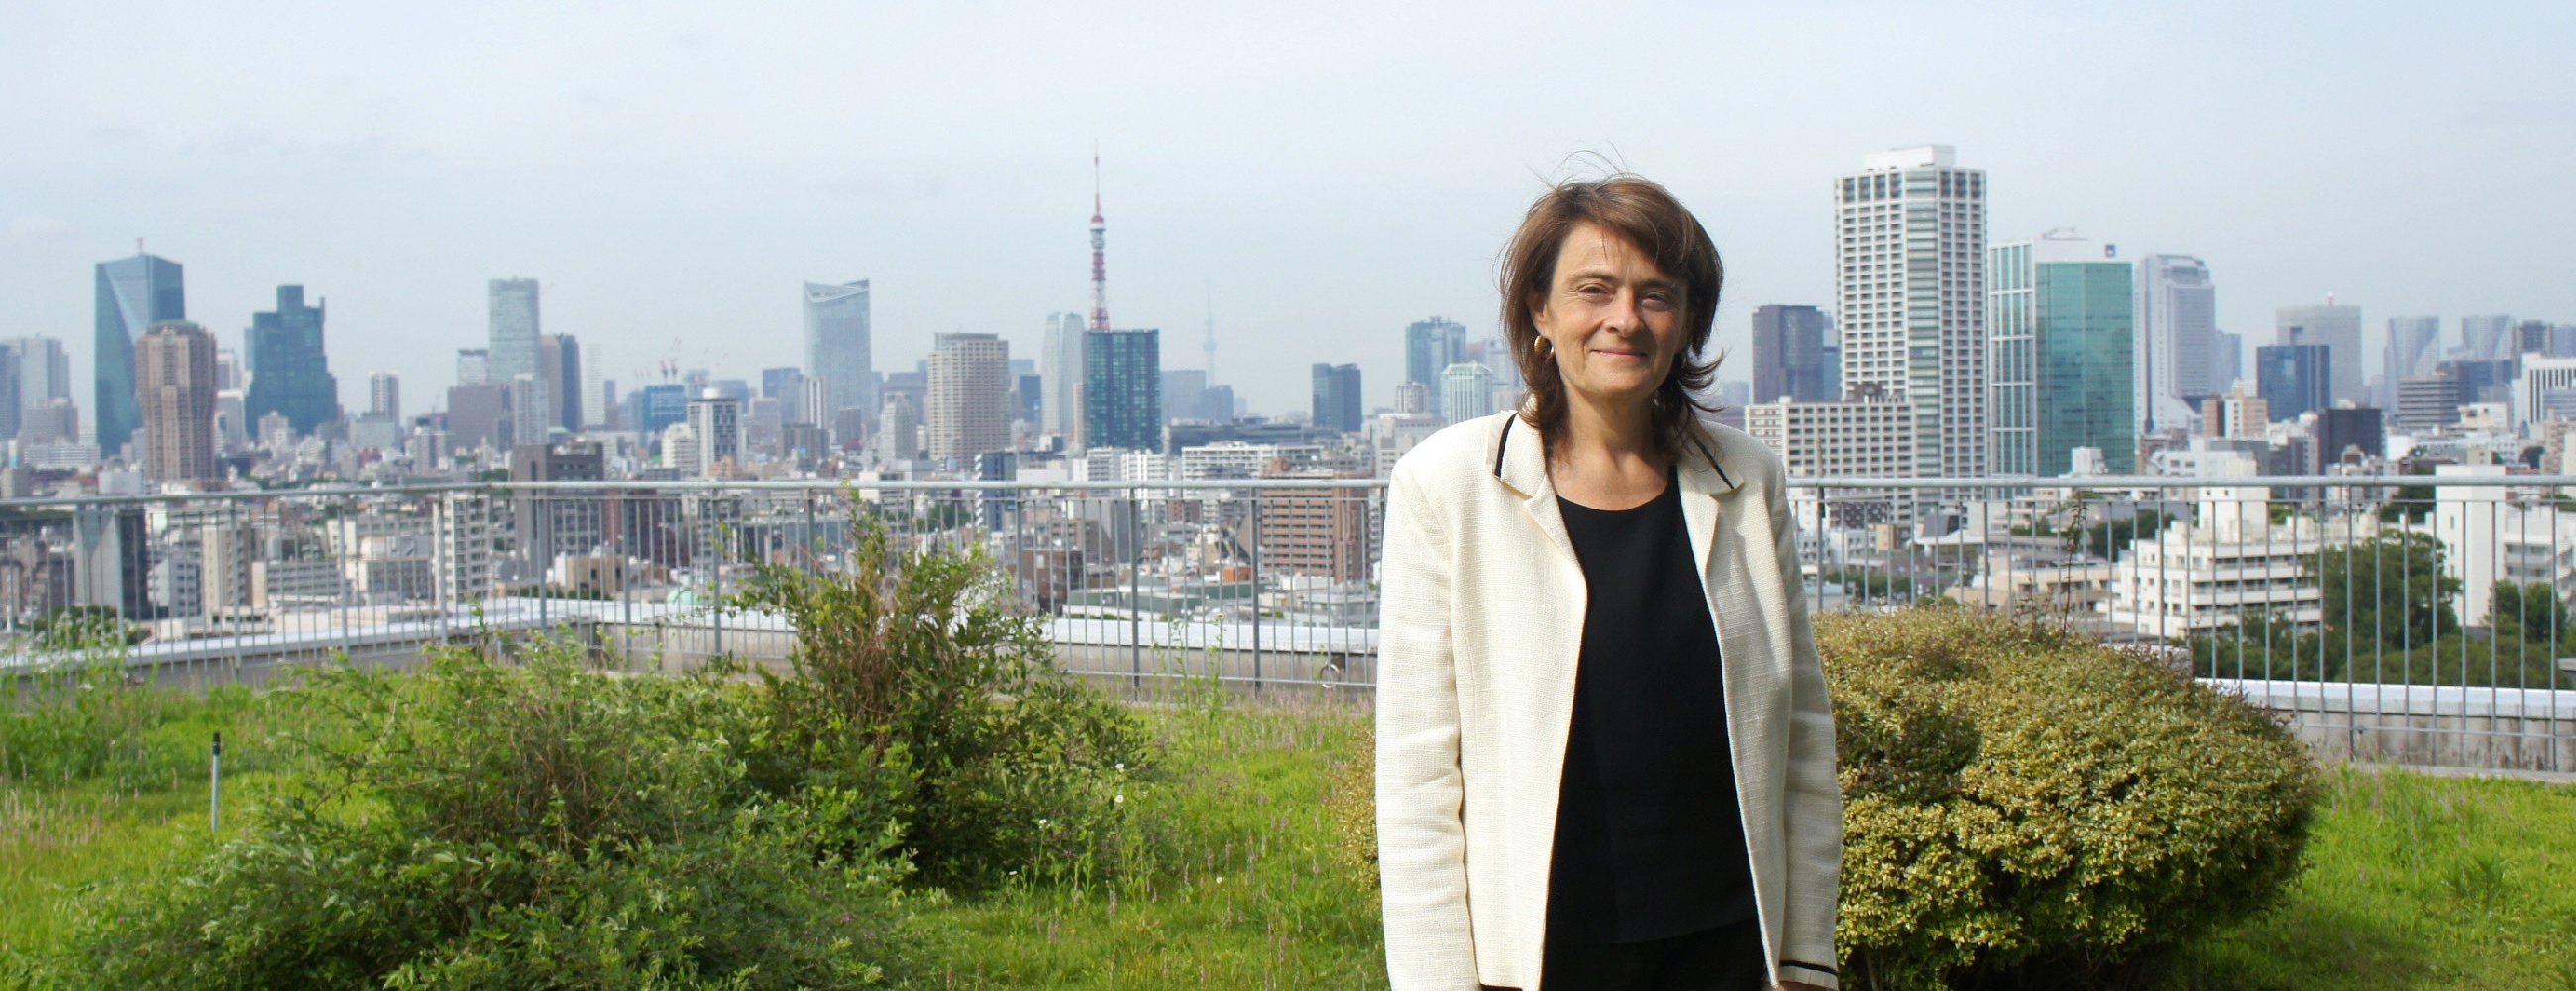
x=55, y=842
x=2419, y=882
x=1234, y=881
x=1232, y=873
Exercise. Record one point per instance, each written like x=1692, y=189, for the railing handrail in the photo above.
x=700, y=485
x=2085, y=483
x=2093, y=482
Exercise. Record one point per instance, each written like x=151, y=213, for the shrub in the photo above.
x=2024, y=806
x=919, y=685
x=474, y=825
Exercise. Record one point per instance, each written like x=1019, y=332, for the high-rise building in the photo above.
x=474, y=366
x=1337, y=397
x=2295, y=378
x=681, y=451
x=559, y=363
x=1911, y=233
x=1183, y=388
x=2428, y=401
x=597, y=390
x=2338, y=328
x=2064, y=356
x=290, y=374
x=2177, y=324
x=529, y=404
x=10, y=382
x=2528, y=337
x=174, y=371
x=1028, y=397
x=514, y=329
x=715, y=424
x=133, y=294
x=814, y=402
x=1791, y=355
x=2338, y=430
x=970, y=396
x=2414, y=348
x=786, y=384
x=2483, y=337
x=837, y=344
x=1466, y=391
x=2226, y=361
x=1122, y=389
x=384, y=395
x=659, y=406
x=479, y=416
x=1432, y=345
x=898, y=430
x=44, y=372
x=1060, y=364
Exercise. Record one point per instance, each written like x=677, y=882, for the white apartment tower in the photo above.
x=2177, y=340
x=1060, y=374
x=1910, y=231
x=969, y=398
x=715, y=425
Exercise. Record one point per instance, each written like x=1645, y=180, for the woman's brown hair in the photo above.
x=1647, y=215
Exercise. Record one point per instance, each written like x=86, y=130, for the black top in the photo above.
x=1649, y=844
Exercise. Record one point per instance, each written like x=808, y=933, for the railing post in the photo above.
x=1255, y=526
x=1135, y=579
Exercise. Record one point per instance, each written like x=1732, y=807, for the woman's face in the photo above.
x=1613, y=317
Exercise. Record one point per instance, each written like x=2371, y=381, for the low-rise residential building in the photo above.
x=2230, y=562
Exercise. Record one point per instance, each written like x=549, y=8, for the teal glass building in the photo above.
x=2064, y=356
x=1122, y=389
x=290, y=373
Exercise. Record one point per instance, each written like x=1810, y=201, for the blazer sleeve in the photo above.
x=1814, y=790
x=1421, y=825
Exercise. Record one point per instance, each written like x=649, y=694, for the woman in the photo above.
x=1605, y=755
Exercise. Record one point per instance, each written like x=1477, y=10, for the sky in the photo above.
x=1311, y=176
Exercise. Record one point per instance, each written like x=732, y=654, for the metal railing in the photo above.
x=2414, y=619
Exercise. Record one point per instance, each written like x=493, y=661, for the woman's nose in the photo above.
x=1623, y=315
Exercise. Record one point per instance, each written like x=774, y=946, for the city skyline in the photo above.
x=680, y=202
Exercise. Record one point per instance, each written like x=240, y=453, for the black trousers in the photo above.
x=1727, y=958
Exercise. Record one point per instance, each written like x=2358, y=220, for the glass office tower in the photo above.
x=133, y=294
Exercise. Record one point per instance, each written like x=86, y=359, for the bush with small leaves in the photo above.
x=2024, y=806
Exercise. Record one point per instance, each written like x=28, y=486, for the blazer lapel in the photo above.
x=1520, y=460
x=1706, y=489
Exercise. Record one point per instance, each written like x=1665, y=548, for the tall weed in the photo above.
x=920, y=687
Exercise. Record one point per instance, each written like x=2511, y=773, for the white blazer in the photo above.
x=1481, y=625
